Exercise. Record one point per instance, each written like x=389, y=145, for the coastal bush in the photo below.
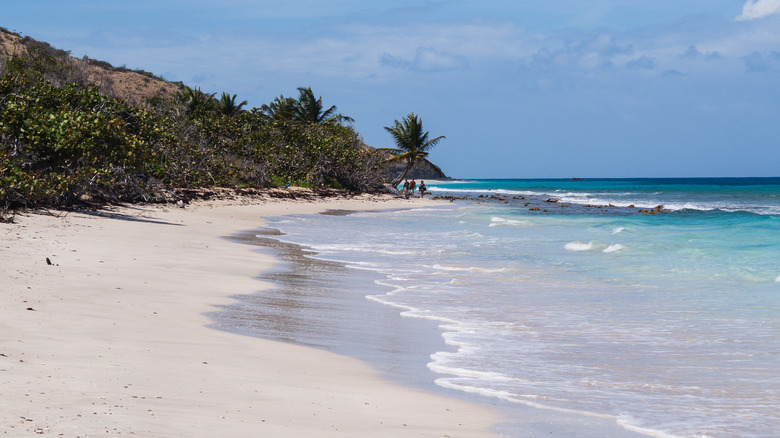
x=61, y=143
x=64, y=141
x=318, y=155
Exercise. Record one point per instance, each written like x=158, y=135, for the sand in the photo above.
x=112, y=337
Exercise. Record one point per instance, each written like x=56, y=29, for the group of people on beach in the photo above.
x=409, y=187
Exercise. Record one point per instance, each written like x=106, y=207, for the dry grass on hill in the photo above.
x=128, y=85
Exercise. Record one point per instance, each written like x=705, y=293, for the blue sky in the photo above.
x=568, y=88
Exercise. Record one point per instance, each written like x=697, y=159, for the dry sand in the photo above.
x=111, y=338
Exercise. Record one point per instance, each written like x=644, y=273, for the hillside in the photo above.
x=129, y=85
x=138, y=88
x=80, y=131
x=76, y=131
x=418, y=172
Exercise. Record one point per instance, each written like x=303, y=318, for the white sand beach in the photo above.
x=111, y=337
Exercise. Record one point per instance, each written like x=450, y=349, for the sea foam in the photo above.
x=498, y=221
x=579, y=246
x=467, y=269
x=614, y=248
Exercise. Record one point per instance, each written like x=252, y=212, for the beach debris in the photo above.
x=48, y=262
x=31, y=309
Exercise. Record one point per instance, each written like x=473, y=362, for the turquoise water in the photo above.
x=668, y=323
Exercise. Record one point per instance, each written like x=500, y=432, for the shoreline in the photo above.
x=323, y=304
x=412, y=340
x=112, y=337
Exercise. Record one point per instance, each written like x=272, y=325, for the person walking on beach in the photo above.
x=412, y=186
x=422, y=188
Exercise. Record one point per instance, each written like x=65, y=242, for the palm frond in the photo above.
x=227, y=104
x=393, y=151
x=309, y=109
x=402, y=157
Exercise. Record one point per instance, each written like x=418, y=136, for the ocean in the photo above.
x=561, y=294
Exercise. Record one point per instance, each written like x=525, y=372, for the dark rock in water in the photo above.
x=656, y=210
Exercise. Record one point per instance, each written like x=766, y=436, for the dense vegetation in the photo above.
x=64, y=141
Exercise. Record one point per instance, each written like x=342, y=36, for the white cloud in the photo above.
x=758, y=9
x=390, y=53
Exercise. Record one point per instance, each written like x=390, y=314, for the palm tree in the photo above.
x=282, y=108
x=195, y=99
x=227, y=104
x=310, y=110
x=412, y=144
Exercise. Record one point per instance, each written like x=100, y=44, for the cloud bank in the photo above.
x=758, y=9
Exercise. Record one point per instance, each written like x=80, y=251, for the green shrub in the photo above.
x=63, y=143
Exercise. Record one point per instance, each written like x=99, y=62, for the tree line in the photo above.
x=64, y=141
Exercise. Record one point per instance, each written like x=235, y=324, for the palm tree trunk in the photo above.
x=400, y=177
